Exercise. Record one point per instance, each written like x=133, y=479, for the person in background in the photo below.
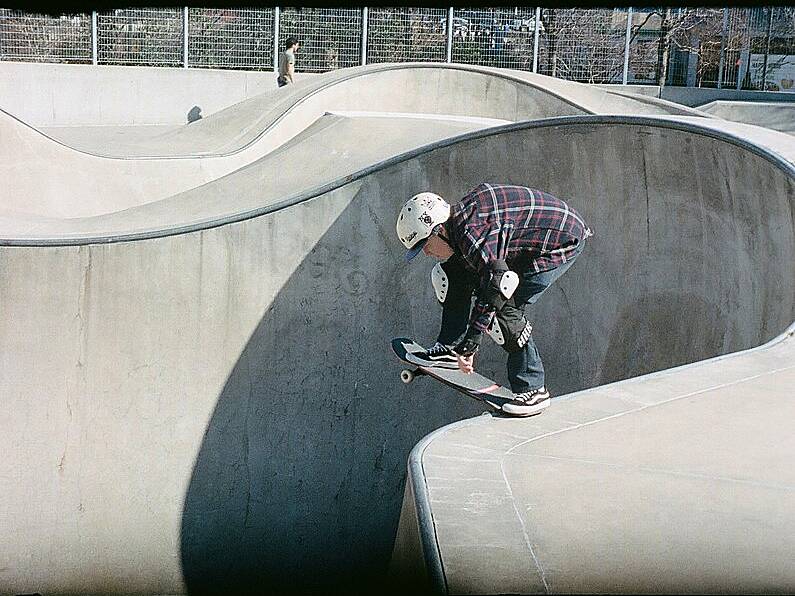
x=287, y=61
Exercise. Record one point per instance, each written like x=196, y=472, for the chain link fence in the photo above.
x=501, y=37
x=140, y=36
x=738, y=47
x=406, y=35
x=44, y=38
x=331, y=38
x=231, y=38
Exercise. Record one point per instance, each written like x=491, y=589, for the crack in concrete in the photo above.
x=524, y=530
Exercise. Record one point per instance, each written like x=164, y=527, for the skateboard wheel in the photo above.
x=406, y=376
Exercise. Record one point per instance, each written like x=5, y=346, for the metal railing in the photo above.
x=725, y=47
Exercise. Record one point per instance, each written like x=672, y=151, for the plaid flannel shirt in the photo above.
x=529, y=229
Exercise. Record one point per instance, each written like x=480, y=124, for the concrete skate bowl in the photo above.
x=51, y=178
x=218, y=410
x=430, y=88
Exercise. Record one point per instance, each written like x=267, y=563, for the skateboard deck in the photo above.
x=473, y=384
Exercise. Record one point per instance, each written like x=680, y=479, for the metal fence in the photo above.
x=230, y=38
x=742, y=47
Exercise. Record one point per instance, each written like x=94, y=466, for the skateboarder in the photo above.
x=507, y=245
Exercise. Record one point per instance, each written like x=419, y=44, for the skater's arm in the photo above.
x=485, y=248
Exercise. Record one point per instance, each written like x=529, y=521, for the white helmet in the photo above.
x=419, y=216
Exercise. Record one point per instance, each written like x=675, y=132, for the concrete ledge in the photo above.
x=698, y=96
x=672, y=482
x=778, y=116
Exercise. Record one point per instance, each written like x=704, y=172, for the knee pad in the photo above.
x=501, y=286
x=514, y=328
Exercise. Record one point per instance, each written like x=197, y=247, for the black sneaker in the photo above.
x=438, y=356
x=528, y=403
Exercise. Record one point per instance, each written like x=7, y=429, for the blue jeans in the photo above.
x=525, y=368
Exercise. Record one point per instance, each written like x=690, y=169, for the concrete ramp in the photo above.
x=432, y=88
x=199, y=393
x=55, y=174
x=56, y=188
x=774, y=115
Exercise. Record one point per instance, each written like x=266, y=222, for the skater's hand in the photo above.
x=465, y=351
x=466, y=363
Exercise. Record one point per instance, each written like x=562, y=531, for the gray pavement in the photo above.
x=677, y=482
x=198, y=390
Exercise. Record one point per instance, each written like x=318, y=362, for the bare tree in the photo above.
x=698, y=32
x=582, y=45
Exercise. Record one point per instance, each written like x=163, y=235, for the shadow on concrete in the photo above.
x=299, y=480
x=663, y=330
x=194, y=114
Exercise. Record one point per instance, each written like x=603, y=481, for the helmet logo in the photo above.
x=411, y=236
x=426, y=219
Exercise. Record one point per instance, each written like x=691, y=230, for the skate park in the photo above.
x=200, y=394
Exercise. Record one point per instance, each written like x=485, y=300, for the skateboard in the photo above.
x=473, y=384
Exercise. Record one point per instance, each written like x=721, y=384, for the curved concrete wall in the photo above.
x=217, y=409
x=53, y=180
x=50, y=179
x=50, y=185
x=430, y=88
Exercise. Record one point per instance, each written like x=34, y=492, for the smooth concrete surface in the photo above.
x=432, y=88
x=678, y=482
x=242, y=193
x=700, y=96
x=90, y=175
x=54, y=186
x=199, y=392
x=218, y=408
x=774, y=115
x=87, y=95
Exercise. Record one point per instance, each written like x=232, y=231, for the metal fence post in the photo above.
x=450, y=34
x=745, y=55
x=535, y=41
x=767, y=49
x=94, y=37
x=722, y=61
x=364, y=35
x=276, y=39
x=626, y=46
x=185, y=36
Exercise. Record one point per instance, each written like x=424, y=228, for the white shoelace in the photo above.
x=437, y=350
x=529, y=396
